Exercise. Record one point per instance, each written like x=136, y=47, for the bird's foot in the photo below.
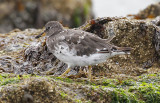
x=90, y=73
x=64, y=74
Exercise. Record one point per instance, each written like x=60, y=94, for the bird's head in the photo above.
x=51, y=28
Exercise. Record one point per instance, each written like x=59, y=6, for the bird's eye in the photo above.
x=113, y=48
x=48, y=28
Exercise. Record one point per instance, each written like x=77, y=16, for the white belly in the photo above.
x=69, y=57
x=82, y=60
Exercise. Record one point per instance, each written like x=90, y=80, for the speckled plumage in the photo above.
x=77, y=47
x=83, y=42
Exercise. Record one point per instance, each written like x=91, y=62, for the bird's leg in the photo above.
x=67, y=71
x=90, y=72
x=80, y=71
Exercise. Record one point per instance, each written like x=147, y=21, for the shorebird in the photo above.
x=79, y=48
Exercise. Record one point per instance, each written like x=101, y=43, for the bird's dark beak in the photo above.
x=38, y=36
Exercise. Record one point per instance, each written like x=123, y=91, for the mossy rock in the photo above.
x=33, y=89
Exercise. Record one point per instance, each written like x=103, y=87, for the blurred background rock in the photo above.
x=23, y=14
x=35, y=13
x=112, y=8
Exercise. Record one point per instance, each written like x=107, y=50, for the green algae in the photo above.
x=64, y=95
x=129, y=90
x=6, y=79
x=150, y=78
x=109, y=82
x=150, y=93
x=68, y=80
x=123, y=96
x=128, y=82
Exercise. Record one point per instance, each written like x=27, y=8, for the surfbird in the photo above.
x=79, y=48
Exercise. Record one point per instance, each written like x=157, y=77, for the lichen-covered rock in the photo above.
x=136, y=34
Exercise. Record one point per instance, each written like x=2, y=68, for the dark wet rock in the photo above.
x=97, y=26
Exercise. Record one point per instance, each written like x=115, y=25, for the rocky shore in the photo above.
x=29, y=72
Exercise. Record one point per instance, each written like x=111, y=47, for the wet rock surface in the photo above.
x=22, y=54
